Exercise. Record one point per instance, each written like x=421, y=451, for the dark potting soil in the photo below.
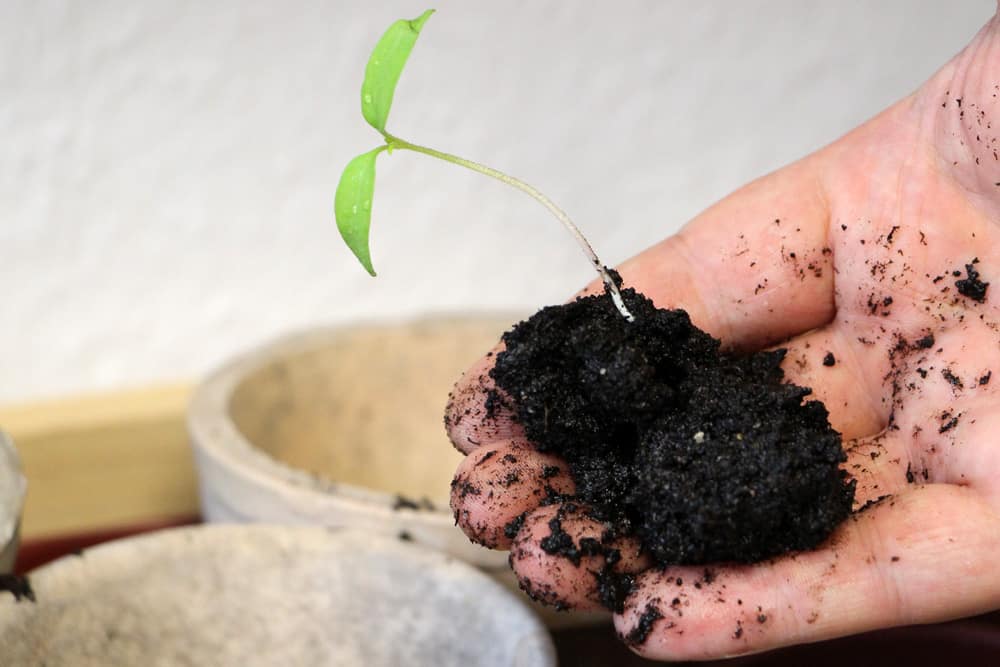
x=704, y=455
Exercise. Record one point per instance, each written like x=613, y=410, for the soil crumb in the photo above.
x=640, y=632
x=401, y=502
x=18, y=585
x=971, y=286
x=704, y=455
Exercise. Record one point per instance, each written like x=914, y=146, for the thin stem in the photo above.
x=616, y=297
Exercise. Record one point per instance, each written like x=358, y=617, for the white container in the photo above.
x=12, y=490
x=236, y=596
x=333, y=426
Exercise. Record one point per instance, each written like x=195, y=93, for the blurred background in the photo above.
x=168, y=168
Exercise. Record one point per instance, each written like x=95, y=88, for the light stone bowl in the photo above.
x=12, y=490
x=247, y=595
x=330, y=426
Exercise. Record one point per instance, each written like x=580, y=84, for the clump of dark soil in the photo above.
x=18, y=585
x=704, y=455
x=637, y=635
x=971, y=286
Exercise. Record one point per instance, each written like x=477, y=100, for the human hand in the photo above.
x=847, y=255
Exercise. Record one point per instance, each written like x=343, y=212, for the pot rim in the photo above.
x=214, y=434
x=13, y=487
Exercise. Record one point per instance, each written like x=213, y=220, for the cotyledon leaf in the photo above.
x=352, y=205
x=384, y=67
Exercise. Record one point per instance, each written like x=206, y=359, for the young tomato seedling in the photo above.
x=702, y=455
x=353, y=201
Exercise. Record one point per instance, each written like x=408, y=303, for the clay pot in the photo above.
x=340, y=427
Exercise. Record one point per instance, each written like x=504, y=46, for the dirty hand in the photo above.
x=854, y=259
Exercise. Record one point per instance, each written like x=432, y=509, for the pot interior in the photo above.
x=364, y=405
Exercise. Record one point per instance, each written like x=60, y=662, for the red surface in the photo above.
x=39, y=551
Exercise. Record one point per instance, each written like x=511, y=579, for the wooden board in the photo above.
x=104, y=461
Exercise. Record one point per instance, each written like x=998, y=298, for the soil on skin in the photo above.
x=971, y=286
x=705, y=456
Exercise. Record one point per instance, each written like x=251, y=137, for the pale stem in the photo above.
x=616, y=297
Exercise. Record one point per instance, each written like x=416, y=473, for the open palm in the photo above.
x=854, y=259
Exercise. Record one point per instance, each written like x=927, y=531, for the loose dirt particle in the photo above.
x=952, y=379
x=971, y=286
x=641, y=631
x=549, y=472
x=403, y=503
x=514, y=526
x=17, y=585
x=486, y=457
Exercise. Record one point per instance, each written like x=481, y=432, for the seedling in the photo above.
x=704, y=456
x=353, y=202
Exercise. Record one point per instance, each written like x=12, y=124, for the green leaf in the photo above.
x=352, y=204
x=384, y=67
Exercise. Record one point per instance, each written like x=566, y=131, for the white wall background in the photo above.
x=167, y=168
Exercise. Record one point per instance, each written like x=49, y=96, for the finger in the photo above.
x=477, y=412
x=566, y=559
x=925, y=556
x=753, y=269
x=497, y=485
